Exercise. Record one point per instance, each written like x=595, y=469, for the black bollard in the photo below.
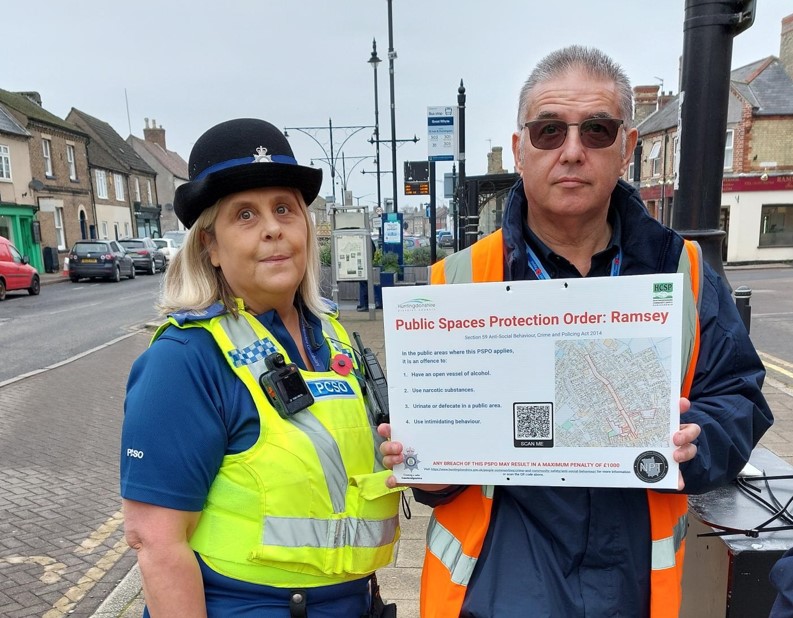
x=743, y=295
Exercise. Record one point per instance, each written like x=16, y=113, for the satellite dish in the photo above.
x=36, y=184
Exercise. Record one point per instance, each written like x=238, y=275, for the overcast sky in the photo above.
x=191, y=64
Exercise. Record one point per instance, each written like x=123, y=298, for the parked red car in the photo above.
x=15, y=271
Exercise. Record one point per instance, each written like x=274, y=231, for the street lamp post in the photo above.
x=374, y=61
x=344, y=175
x=391, y=56
x=332, y=158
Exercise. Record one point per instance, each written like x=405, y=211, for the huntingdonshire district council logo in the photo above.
x=650, y=466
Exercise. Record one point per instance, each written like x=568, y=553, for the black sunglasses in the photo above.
x=549, y=134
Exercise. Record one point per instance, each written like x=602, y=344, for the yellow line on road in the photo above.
x=776, y=364
x=66, y=604
x=99, y=535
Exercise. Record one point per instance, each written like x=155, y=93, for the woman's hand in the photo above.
x=683, y=440
x=392, y=455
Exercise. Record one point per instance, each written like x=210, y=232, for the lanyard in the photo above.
x=541, y=273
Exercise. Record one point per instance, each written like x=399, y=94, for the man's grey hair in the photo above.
x=591, y=60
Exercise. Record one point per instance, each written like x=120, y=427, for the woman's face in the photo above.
x=259, y=243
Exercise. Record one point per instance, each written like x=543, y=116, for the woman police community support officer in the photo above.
x=237, y=497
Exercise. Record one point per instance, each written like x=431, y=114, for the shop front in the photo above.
x=147, y=221
x=18, y=224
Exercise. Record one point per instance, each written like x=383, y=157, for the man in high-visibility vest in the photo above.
x=582, y=552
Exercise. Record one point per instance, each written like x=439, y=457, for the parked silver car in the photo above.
x=167, y=246
x=145, y=254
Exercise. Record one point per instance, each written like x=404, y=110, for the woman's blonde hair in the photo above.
x=192, y=283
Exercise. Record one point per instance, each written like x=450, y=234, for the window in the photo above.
x=5, y=163
x=631, y=169
x=118, y=181
x=104, y=230
x=126, y=229
x=101, y=184
x=46, y=150
x=728, y=149
x=71, y=162
x=148, y=192
x=655, y=160
x=59, y=231
x=776, y=226
x=137, y=189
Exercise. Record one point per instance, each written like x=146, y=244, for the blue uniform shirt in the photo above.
x=184, y=411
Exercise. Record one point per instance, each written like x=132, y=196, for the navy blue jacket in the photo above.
x=570, y=552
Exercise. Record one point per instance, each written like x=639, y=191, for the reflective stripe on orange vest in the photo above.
x=457, y=530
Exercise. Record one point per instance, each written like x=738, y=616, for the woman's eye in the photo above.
x=246, y=215
x=282, y=209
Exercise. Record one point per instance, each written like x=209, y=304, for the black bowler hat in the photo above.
x=238, y=155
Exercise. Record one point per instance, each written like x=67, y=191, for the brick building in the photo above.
x=170, y=167
x=125, y=195
x=757, y=185
x=60, y=186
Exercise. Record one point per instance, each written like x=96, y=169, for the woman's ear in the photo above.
x=208, y=243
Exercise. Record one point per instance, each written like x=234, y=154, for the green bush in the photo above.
x=420, y=256
x=389, y=262
x=324, y=254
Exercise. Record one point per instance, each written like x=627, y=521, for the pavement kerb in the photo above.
x=126, y=598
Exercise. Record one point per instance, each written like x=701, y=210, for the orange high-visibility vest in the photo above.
x=457, y=529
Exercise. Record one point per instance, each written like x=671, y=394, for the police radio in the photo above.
x=374, y=380
x=284, y=387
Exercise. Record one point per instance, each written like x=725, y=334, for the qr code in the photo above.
x=533, y=421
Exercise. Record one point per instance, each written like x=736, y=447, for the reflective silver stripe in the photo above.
x=329, y=457
x=446, y=548
x=664, y=550
x=458, y=267
x=329, y=534
x=701, y=271
x=241, y=334
x=333, y=341
x=690, y=310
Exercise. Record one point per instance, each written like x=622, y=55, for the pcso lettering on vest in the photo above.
x=539, y=319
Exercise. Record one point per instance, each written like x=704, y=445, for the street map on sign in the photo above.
x=612, y=392
x=560, y=382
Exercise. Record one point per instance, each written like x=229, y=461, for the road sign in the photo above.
x=441, y=133
x=417, y=188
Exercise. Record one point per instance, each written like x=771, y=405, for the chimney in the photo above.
x=645, y=102
x=786, y=45
x=664, y=98
x=495, y=160
x=33, y=96
x=154, y=134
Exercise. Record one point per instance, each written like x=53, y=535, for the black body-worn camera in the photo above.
x=284, y=387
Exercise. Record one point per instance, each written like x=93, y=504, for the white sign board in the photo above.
x=570, y=382
x=441, y=133
x=351, y=257
x=391, y=231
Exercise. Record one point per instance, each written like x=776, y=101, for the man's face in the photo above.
x=572, y=180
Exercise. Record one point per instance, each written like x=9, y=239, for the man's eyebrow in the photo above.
x=548, y=115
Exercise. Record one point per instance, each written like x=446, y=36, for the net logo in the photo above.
x=663, y=293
